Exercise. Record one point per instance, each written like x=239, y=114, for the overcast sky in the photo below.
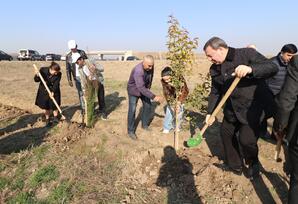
x=138, y=25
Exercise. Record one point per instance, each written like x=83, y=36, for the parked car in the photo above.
x=25, y=54
x=43, y=57
x=52, y=57
x=132, y=58
x=63, y=58
x=4, y=56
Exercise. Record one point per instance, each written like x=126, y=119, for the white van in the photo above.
x=25, y=54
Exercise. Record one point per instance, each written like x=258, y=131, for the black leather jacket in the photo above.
x=70, y=67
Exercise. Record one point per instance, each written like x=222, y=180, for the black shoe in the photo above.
x=253, y=170
x=103, y=116
x=82, y=125
x=132, y=135
x=56, y=120
x=237, y=171
x=49, y=123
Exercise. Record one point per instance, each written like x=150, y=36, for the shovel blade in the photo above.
x=193, y=142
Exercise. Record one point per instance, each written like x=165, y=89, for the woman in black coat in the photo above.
x=52, y=77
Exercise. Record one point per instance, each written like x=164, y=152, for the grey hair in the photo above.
x=149, y=58
x=215, y=43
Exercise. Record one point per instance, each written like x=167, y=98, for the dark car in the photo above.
x=4, y=56
x=53, y=57
x=132, y=58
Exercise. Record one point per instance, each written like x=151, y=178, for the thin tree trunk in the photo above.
x=176, y=134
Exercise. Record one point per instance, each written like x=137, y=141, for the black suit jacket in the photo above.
x=247, y=100
x=287, y=104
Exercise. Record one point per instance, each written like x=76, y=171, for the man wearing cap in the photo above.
x=73, y=72
x=138, y=87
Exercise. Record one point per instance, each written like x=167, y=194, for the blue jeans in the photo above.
x=133, y=101
x=169, y=122
x=80, y=93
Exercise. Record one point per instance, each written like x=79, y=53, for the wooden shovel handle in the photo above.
x=222, y=102
x=277, y=149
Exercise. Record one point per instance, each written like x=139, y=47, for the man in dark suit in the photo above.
x=244, y=107
x=286, y=120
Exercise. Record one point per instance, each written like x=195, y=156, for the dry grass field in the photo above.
x=67, y=164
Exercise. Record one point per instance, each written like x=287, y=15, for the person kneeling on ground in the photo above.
x=170, y=95
x=52, y=77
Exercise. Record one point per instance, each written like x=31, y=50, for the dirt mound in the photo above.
x=10, y=112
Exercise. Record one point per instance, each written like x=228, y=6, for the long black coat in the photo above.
x=43, y=99
x=287, y=104
x=248, y=99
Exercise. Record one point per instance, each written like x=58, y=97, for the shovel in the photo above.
x=49, y=92
x=195, y=141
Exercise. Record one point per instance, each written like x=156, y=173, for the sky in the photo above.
x=139, y=25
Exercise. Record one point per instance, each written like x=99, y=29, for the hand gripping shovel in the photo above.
x=49, y=92
x=195, y=141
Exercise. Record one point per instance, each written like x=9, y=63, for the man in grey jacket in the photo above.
x=138, y=87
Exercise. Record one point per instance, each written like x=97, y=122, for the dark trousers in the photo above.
x=133, y=101
x=293, y=191
x=246, y=140
x=101, y=98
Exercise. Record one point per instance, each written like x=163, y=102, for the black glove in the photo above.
x=70, y=83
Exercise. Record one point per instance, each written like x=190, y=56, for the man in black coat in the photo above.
x=286, y=120
x=276, y=82
x=244, y=107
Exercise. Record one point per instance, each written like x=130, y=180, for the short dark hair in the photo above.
x=290, y=48
x=167, y=71
x=55, y=66
x=215, y=43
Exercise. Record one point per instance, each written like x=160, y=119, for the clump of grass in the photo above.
x=40, y=152
x=23, y=198
x=43, y=175
x=3, y=182
x=2, y=167
x=54, y=130
x=8, y=122
x=61, y=194
x=18, y=184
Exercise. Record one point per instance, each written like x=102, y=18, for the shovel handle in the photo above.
x=226, y=96
x=277, y=149
x=221, y=103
